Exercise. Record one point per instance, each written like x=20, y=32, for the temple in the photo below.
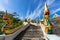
x=6, y=18
x=48, y=26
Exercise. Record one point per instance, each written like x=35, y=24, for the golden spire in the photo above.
x=6, y=12
x=46, y=8
x=5, y=15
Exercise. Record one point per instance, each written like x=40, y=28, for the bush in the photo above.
x=1, y=32
x=14, y=25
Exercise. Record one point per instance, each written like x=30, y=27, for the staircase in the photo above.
x=31, y=33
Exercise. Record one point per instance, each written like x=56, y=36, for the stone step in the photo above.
x=33, y=38
x=34, y=27
x=34, y=30
x=32, y=33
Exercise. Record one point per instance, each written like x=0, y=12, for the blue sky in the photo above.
x=30, y=8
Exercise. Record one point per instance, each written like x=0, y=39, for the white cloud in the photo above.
x=34, y=13
x=49, y=2
x=6, y=1
x=2, y=3
x=37, y=11
x=21, y=17
x=2, y=8
x=55, y=11
x=27, y=13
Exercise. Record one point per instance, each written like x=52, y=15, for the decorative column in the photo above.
x=48, y=27
x=6, y=19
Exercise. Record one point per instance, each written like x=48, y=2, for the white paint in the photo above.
x=49, y=36
x=12, y=36
x=56, y=15
x=25, y=23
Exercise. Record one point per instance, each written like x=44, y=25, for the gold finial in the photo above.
x=46, y=7
x=6, y=11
